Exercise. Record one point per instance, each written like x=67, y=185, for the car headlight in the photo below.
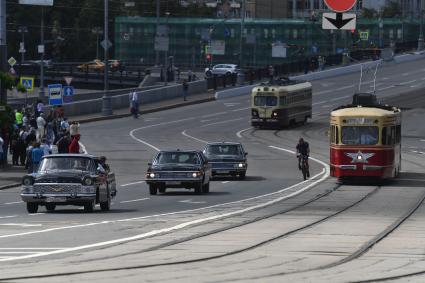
x=240, y=165
x=196, y=174
x=88, y=181
x=151, y=175
x=28, y=181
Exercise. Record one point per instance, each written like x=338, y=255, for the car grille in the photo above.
x=173, y=175
x=57, y=188
x=223, y=165
x=60, y=180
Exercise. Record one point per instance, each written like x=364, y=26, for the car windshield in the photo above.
x=177, y=157
x=359, y=135
x=265, y=101
x=223, y=150
x=65, y=163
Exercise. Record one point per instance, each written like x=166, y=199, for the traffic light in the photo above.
x=208, y=57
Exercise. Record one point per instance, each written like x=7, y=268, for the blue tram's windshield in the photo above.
x=265, y=101
x=360, y=135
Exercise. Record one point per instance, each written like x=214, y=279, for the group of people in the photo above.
x=39, y=131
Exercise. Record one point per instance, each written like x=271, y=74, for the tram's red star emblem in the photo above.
x=359, y=157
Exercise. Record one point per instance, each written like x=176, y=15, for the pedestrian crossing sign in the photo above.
x=28, y=83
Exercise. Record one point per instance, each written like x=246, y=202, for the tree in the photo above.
x=369, y=13
x=392, y=10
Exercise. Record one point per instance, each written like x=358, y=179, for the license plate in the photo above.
x=223, y=171
x=172, y=183
x=55, y=199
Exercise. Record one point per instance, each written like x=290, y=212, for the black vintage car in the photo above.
x=68, y=179
x=227, y=159
x=179, y=169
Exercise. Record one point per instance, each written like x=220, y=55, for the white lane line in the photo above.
x=406, y=83
x=190, y=201
x=423, y=79
x=12, y=253
x=241, y=109
x=347, y=87
x=308, y=184
x=215, y=114
x=10, y=216
x=422, y=140
x=222, y=122
x=385, y=88
x=326, y=106
x=151, y=126
x=322, y=92
x=405, y=74
x=30, y=249
x=134, y=200
x=21, y=225
x=340, y=98
x=134, y=183
x=15, y=202
x=413, y=86
x=239, y=134
x=318, y=103
x=36, y=214
x=385, y=79
x=225, y=182
x=191, y=137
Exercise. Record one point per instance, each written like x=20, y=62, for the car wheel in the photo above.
x=198, y=188
x=32, y=207
x=162, y=190
x=206, y=188
x=153, y=190
x=106, y=206
x=242, y=175
x=209, y=74
x=89, y=207
x=50, y=207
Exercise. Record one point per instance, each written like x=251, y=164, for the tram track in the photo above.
x=216, y=231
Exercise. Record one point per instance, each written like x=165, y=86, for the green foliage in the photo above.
x=7, y=117
x=369, y=13
x=21, y=88
x=7, y=81
x=392, y=10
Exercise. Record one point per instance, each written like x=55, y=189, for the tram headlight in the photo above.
x=359, y=157
x=275, y=114
x=254, y=113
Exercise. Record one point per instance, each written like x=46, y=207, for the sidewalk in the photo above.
x=12, y=175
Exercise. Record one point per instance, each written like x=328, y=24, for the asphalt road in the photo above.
x=69, y=235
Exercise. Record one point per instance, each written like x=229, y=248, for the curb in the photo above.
x=9, y=186
x=167, y=107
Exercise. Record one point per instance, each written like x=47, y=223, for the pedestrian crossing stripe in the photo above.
x=28, y=83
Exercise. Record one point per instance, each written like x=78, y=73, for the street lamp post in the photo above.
x=381, y=26
x=3, y=49
x=242, y=31
x=106, y=99
x=157, y=27
x=22, y=30
x=97, y=31
x=41, y=94
x=421, y=33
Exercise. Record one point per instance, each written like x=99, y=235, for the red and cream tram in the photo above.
x=365, y=140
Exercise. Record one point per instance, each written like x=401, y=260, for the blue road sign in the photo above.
x=68, y=92
x=55, y=94
x=28, y=83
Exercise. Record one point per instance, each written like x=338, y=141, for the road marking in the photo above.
x=406, y=83
x=385, y=88
x=323, y=92
x=134, y=200
x=27, y=249
x=135, y=183
x=413, y=86
x=405, y=74
x=15, y=202
x=347, y=87
x=239, y=134
x=190, y=201
x=308, y=184
x=191, y=137
x=215, y=114
x=231, y=104
x=318, y=103
x=326, y=106
x=422, y=140
x=36, y=214
x=225, y=182
x=222, y=122
x=21, y=224
x=423, y=79
x=340, y=98
x=241, y=109
x=10, y=216
x=385, y=79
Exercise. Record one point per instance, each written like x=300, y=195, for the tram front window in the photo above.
x=265, y=101
x=359, y=135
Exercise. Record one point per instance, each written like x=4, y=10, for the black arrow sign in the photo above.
x=339, y=22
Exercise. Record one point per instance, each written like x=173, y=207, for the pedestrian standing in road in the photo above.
x=36, y=154
x=135, y=102
x=185, y=86
x=74, y=147
x=41, y=124
x=271, y=73
x=63, y=143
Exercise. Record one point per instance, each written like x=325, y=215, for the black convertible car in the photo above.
x=179, y=169
x=227, y=159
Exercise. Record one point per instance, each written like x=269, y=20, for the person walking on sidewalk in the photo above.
x=185, y=86
x=135, y=102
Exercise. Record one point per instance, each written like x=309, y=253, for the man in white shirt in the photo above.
x=41, y=124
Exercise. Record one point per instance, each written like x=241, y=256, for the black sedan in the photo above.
x=179, y=169
x=227, y=159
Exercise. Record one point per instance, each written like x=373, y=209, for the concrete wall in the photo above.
x=123, y=100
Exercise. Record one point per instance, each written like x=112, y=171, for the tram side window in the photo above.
x=389, y=135
x=282, y=101
x=398, y=134
x=334, y=135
